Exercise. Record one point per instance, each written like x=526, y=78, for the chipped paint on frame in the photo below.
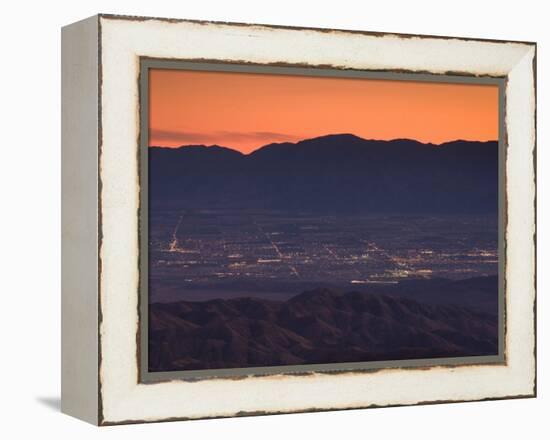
x=120, y=404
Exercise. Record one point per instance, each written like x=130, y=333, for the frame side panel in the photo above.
x=79, y=182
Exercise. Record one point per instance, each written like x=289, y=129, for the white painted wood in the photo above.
x=79, y=326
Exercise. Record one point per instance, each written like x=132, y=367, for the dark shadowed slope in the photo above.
x=319, y=326
x=336, y=173
x=478, y=293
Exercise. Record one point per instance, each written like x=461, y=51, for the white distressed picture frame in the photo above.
x=101, y=194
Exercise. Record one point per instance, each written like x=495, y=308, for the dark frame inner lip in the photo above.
x=145, y=376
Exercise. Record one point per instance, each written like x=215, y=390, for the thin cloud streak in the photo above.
x=254, y=140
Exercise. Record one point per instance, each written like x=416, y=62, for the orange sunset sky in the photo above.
x=246, y=111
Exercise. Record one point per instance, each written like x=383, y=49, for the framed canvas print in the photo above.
x=262, y=219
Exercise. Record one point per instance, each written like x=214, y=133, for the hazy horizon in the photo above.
x=231, y=147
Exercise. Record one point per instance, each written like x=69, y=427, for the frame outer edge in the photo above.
x=79, y=213
x=535, y=232
x=142, y=18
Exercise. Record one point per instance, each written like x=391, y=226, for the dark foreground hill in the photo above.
x=478, y=293
x=318, y=326
x=335, y=173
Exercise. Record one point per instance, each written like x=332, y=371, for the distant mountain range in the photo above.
x=318, y=326
x=334, y=173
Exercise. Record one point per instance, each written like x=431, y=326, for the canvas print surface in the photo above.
x=303, y=220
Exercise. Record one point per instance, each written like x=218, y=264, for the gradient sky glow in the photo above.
x=245, y=111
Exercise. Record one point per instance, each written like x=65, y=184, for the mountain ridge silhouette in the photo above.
x=334, y=173
x=340, y=136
